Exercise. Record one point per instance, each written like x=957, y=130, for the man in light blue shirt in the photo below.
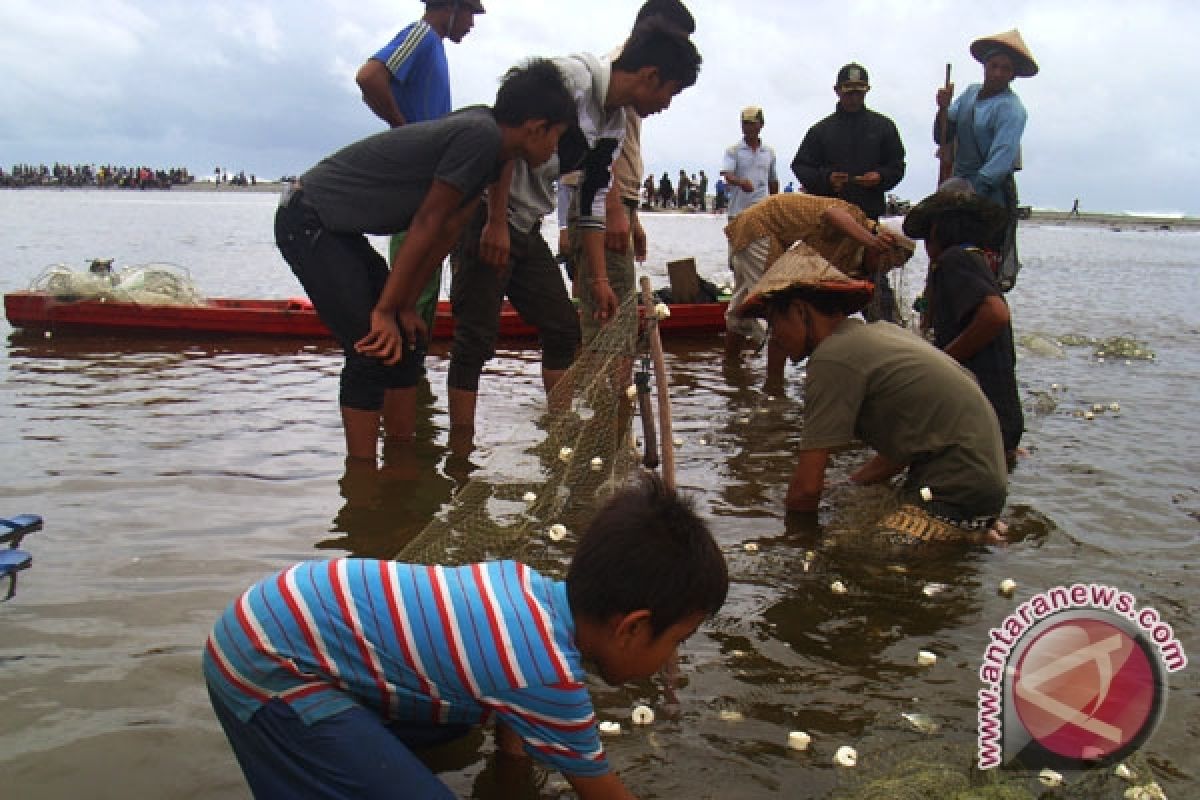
x=985, y=124
x=749, y=173
x=749, y=165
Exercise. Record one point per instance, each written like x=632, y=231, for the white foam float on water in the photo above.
x=750, y=547
x=642, y=715
x=597, y=464
x=933, y=589
x=926, y=494
x=799, y=740
x=1008, y=586
x=926, y=659
x=726, y=715
x=530, y=498
x=609, y=728
x=845, y=756
x=565, y=454
x=557, y=532
x=837, y=587
x=1049, y=777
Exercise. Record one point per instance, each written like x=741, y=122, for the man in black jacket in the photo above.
x=854, y=154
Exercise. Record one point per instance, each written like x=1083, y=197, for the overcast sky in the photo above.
x=268, y=85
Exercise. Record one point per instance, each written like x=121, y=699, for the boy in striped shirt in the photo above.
x=323, y=676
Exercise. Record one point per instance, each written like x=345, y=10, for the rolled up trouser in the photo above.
x=748, y=265
x=343, y=275
x=533, y=284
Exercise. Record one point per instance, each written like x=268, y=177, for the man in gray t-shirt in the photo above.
x=425, y=179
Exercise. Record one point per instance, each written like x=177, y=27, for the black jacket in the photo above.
x=854, y=143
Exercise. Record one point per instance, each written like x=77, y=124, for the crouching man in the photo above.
x=919, y=409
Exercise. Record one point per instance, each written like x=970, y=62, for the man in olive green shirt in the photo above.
x=878, y=383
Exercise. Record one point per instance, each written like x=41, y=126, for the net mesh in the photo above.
x=145, y=284
x=532, y=507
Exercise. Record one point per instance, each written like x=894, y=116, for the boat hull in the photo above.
x=293, y=318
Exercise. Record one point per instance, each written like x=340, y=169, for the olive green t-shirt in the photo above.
x=915, y=405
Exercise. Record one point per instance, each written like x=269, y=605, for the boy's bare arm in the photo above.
x=494, y=242
x=425, y=244
x=986, y=324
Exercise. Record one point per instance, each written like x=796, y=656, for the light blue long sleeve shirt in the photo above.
x=988, y=151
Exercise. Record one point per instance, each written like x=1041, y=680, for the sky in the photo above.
x=267, y=86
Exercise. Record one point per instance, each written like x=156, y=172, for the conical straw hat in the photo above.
x=803, y=270
x=1013, y=44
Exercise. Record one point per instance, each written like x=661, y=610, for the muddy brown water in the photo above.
x=172, y=473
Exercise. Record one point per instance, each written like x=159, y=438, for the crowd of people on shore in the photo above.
x=90, y=176
x=687, y=192
x=107, y=176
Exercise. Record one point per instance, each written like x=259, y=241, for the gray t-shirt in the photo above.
x=913, y=404
x=377, y=184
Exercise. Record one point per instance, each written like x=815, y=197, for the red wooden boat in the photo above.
x=272, y=318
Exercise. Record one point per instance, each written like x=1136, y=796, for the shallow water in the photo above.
x=173, y=473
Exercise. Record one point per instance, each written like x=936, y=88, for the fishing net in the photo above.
x=939, y=768
x=146, y=284
x=532, y=506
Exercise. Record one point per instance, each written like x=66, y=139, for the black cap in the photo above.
x=853, y=76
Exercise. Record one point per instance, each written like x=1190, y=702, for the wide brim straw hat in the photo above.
x=953, y=195
x=804, y=272
x=1024, y=64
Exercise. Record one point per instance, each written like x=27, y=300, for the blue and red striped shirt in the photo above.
x=413, y=643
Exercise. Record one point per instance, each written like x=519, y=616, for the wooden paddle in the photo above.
x=946, y=151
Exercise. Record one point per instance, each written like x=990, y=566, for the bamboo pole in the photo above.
x=667, y=438
x=946, y=150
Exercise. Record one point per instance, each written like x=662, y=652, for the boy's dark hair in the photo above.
x=646, y=548
x=952, y=228
x=534, y=90
x=672, y=12
x=657, y=43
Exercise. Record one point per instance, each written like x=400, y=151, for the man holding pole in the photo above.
x=985, y=124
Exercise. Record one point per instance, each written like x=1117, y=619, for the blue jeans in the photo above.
x=352, y=755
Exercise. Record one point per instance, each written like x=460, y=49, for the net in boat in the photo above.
x=145, y=284
x=556, y=470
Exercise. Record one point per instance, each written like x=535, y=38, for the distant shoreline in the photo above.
x=1040, y=218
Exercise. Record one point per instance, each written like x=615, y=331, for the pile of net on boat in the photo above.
x=145, y=284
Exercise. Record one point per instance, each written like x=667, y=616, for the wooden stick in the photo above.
x=664, y=393
x=946, y=150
